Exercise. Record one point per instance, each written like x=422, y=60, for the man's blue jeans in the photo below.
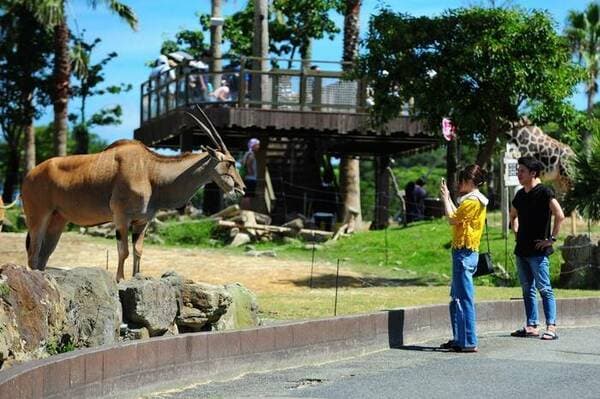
x=462, y=293
x=534, y=274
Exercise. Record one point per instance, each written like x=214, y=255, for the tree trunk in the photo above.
x=260, y=49
x=27, y=85
x=82, y=139
x=350, y=187
x=62, y=72
x=350, y=167
x=587, y=134
x=485, y=152
x=11, y=179
x=351, y=29
x=216, y=37
x=382, y=193
x=452, y=166
x=29, y=147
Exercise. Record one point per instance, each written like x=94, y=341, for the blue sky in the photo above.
x=161, y=19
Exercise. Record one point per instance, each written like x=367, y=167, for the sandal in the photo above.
x=468, y=349
x=549, y=335
x=525, y=333
x=448, y=345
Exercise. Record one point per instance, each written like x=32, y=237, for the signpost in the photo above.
x=510, y=184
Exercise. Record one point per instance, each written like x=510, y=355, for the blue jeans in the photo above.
x=462, y=293
x=534, y=274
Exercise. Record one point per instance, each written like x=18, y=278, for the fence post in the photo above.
x=242, y=92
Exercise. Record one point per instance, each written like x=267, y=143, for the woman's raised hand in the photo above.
x=444, y=189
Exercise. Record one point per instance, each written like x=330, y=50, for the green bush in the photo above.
x=65, y=345
x=198, y=232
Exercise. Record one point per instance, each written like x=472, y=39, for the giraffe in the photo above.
x=526, y=139
x=530, y=140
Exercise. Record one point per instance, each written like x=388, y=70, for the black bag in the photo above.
x=484, y=264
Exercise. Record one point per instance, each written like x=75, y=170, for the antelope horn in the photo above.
x=206, y=129
x=217, y=135
x=10, y=205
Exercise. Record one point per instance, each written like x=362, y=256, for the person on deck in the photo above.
x=250, y=175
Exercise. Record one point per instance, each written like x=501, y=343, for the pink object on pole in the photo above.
x=448, y=129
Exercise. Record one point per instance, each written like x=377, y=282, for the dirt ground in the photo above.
x=260, y=274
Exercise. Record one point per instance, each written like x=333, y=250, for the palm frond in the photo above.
x=584, y=195
x=125, y=12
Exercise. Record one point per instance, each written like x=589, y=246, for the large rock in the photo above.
x=149, y=303
x=581, y=260
x=243, y=311
x=91, y=303
x=31, y=314
x=203, y=306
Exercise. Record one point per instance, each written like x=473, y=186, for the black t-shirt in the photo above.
x=533, y=210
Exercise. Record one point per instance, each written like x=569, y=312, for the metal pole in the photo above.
x=386, y=245
x=337, y=278
x=313, y=260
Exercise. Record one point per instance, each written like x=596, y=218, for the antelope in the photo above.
x=126, y=183
x=2, y=210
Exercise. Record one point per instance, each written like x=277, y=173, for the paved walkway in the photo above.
x=505, y=367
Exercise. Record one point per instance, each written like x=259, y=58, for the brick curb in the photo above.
x=132, y=368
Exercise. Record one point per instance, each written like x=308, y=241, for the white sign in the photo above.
x=510, y=172
x=217, y=21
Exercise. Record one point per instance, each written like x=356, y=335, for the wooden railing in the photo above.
x=301, y=89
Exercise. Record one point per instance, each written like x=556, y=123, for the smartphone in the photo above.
x=443, y=180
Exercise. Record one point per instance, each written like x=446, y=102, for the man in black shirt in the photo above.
x=530, y=217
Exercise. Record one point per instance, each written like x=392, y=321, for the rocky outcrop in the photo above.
x=43, y=313
x=581, y=262
x=91, y=304
x=31, y=314
x=149, y=303
x=203, y=306
x=243, y=311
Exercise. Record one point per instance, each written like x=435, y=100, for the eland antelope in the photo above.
x=2, y=210
x=126, y=183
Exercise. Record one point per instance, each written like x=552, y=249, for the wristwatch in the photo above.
x=553, y=239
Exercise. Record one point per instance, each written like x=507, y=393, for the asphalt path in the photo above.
x=505, y=367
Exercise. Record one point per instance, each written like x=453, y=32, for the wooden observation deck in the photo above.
x=302, y=116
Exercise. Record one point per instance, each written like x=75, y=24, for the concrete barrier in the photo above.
x=134, y=368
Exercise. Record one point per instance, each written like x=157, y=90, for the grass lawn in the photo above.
x=419, y=252
x=412, y=269
x=315, y=303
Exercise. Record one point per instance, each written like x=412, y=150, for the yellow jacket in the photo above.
x=469, y=221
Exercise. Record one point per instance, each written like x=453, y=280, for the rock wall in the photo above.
x=581, y=263
x=44, y=313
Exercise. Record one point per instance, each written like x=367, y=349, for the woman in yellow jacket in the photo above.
x=467, y=221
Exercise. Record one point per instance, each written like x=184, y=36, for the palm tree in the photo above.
x=585, y=192
x=583, y=32
x=350, y=166
x=52, y=13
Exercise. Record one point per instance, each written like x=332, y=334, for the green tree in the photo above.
x=25, y=46
x=350, y=187
x=484, y=68
x=190, y=41
x=585, y=193
x=90, y=77
x=583, y=32
x=291, y=28
x=298, y=22
x=51, y=13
